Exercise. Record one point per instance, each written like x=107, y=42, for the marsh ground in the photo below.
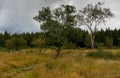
x=31, y=63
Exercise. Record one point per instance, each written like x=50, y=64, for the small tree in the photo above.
x=38, y=43
x=22, y=42
x=55, y=24
x=12, y=43
x=92, y=16
x=87, y=41
x=55, y=34
x=119, y=41
x=9, y=44
x=109, y=42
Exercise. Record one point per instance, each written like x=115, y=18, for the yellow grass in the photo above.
x=71, y=64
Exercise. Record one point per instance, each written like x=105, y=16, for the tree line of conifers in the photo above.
x=76, y=39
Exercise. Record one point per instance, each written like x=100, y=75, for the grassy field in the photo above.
x=30, y=63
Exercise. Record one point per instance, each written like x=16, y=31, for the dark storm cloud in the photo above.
x=17, y=15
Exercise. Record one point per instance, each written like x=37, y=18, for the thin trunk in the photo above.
x=58, y=52
x=92, y=41
x=39, y=49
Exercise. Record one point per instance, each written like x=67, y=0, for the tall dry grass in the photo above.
x=70, y=64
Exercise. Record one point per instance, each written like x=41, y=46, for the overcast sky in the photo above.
x=17, y=15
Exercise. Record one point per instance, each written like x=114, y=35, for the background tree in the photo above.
x=6, y=35
x=22, y=42
x=109, y=42
x=92, y=16
x=12, y=43
x=75, y=38
x=118, y=41
x=87, y=41
x=2, y=41
x=100, y=37
x=38, y=43
x=115, y=35
x=9, y=44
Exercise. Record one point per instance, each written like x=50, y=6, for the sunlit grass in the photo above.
x=70, y=64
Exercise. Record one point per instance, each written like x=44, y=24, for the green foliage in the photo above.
x=109, y=42
x=117, y=56
x=55, y=33
x=55, y=24
x=99, y=45
x=75, y=36
x=60, y=19
x=44, y=15
x=8, y=43
x=15, y=43
x=22, y=42
x=118, y=41
x=27, y=75
x=92, y=16
x=4, y=49
x=50, y=25
x=65, y=14
x=38, y=42
x=87, y=41
x=12, y=43
x=70, y=45
x=72, y=35
x=103, y=54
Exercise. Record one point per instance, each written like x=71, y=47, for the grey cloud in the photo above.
x=17, y=15
x=2, y=3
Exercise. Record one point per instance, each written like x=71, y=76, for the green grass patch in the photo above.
x=104, y=54
x=27, y=75
x=3, y=49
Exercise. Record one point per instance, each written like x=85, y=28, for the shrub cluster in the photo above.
x=104, y=54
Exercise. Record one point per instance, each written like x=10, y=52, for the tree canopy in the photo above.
x=93, y=16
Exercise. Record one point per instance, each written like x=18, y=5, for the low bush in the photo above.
x=104, y=54
x=4, y=49
x=117, y=55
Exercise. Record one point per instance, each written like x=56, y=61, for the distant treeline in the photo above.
x=76, y=38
